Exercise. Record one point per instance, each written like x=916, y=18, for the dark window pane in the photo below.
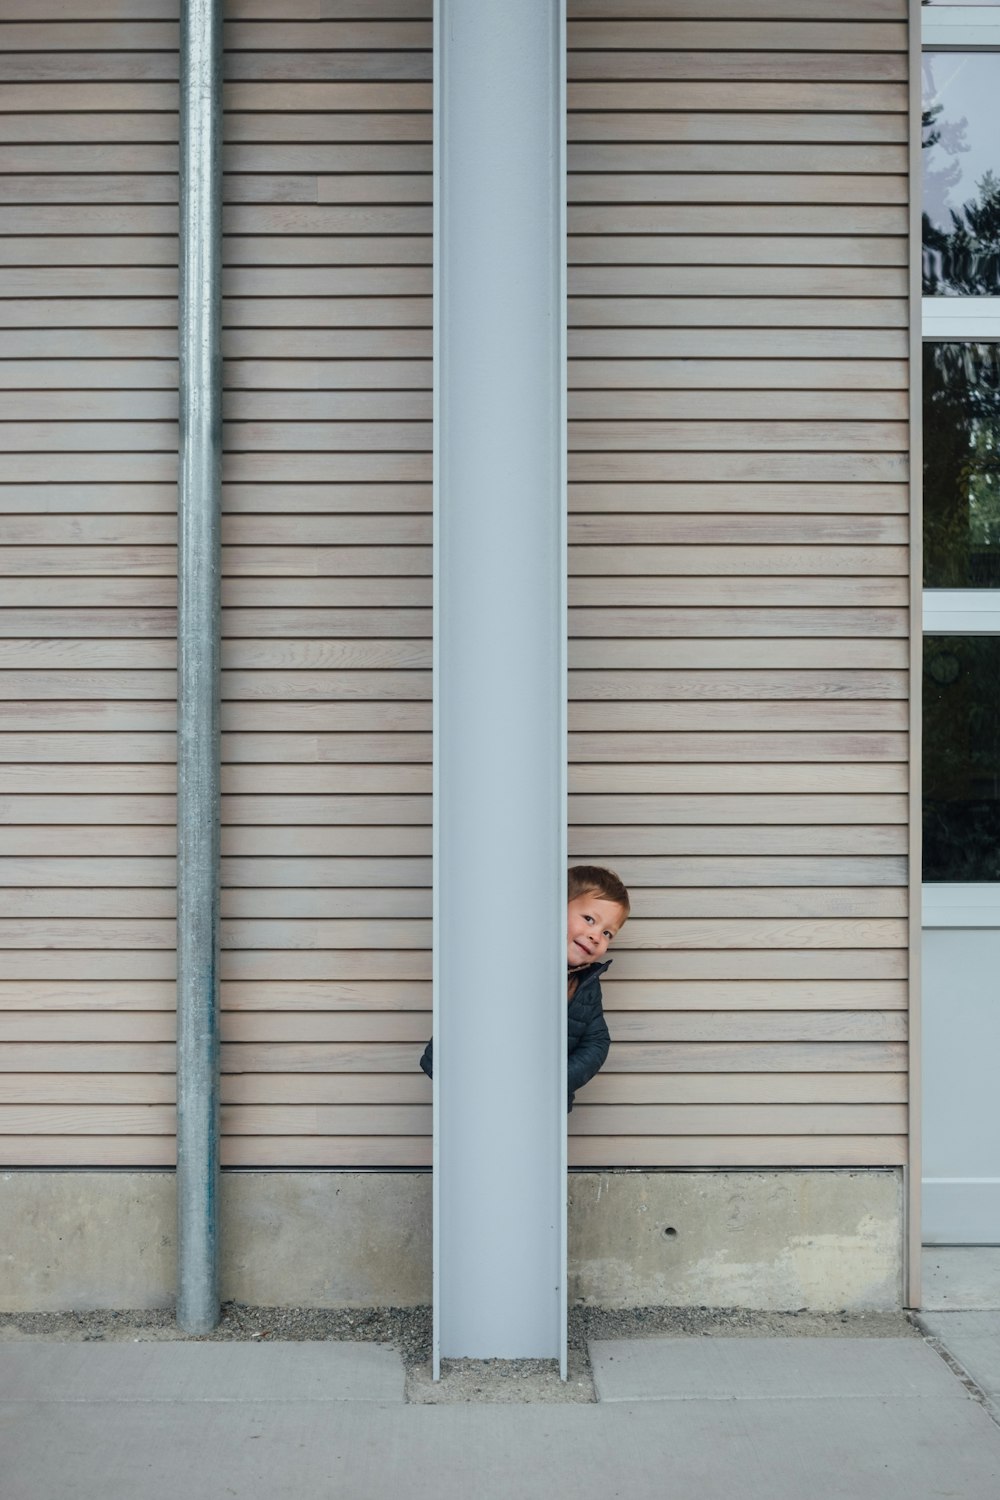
x=961, y=163
x=962, y=465
x=962, y=757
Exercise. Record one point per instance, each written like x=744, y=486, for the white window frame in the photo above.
x=960, y=28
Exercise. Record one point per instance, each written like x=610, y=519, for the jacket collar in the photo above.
x=590, y=971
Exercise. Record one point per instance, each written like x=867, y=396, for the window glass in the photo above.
x=961, y=758
x=962, y=465
x=961, y=174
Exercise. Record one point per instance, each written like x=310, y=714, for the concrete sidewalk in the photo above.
x=733, y=1418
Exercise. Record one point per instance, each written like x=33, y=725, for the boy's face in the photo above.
x=592, y=921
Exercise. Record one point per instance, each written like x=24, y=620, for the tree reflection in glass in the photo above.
x=961, y=761
x=961, y=189
x=961, y=465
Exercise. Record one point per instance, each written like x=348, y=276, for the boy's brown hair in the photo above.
x=584, y=879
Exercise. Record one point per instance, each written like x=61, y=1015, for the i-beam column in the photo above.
x=500, y=680
x=198, y=570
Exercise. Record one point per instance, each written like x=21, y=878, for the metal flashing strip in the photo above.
x=199, y=504
x=499, y=680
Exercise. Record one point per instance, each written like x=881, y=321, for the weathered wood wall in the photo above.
x=739, y=500
x=738, y=601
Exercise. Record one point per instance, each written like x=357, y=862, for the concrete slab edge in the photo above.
x=958, y=1369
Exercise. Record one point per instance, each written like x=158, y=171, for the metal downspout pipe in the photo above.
x=199, y=504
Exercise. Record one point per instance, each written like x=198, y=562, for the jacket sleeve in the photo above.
x=589, y=1054
x=427, y=1059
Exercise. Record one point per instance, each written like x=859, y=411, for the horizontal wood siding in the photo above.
x=739, y=588
x=738, y=436
x=327, y=769
x=326, y=560
x=88, y=430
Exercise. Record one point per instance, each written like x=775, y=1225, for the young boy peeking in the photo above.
x=597, y=911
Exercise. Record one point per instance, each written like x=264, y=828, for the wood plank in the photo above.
x=393, y=1088
x=883, y=68
x=667, y=497
x=668, y=966
x=25, y=654
x=757, y=1026
x=64, y=900
x=597, y=845
x=126, y=127
x=665, y=967
x=704, y=125
x=737, y=343
x=27, y=963
x=55, y=841
x=149, y=749
x=666, y=873
x=607, y=1088
x=92, y=932
x=59, y=717
x=720, y=187
x=714, y=561
x=755, y=684
x=765, y=219
x=768, y=35
x=766, y=715
x=712, y=1120
x=88, y=1151
x=86, y=995
x=635, y=653
x=415, y=1151
x=757, y=996
x=680, y=1057
x=249, y=780
x=86, y=1088
x=344, y=125
x=260, y=593
x=86, y=1026
x=48, y=874
x=783, y=595
x=111, y=1057
x=354, y=1151
x=790, y=932
x=292, y=625
x=602, y=405
x=117, y=406
x=659, y=436
x=735, y=1151
x=48, y=97
x=88, y=684
x=732, y=155
x=717, y=252
x=308, y=67
x=710, y=10
x=598, y=778
x=735, y=94
x=749, y=312
x=618, y=529
x=758, y=623
x=714, y=748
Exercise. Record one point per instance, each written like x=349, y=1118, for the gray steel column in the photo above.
x=200, y=317
x=500, y=680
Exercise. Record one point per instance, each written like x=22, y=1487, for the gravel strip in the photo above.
x=408, y=1329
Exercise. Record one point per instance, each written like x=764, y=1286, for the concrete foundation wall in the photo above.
x=765, y=1239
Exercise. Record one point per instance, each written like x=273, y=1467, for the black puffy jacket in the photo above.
x=588, y=1038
